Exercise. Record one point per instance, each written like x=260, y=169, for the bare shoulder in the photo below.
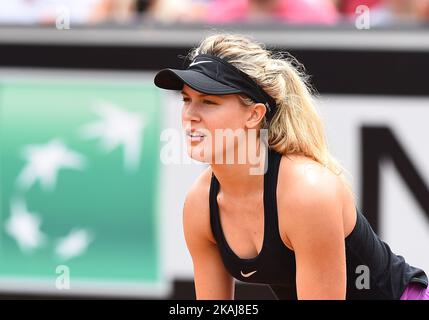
x=307, y=180
x=196, y=214
x=309, y=194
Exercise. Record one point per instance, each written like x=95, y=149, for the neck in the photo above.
x=241, y=180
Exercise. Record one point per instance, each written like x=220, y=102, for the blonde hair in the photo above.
x=296, y=127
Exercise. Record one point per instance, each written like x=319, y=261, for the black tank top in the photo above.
x=275, y=265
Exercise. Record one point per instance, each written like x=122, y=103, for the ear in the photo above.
x=256, y=116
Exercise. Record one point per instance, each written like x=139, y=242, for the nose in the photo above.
x=190, y=112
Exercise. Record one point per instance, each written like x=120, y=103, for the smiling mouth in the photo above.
x=195, y=137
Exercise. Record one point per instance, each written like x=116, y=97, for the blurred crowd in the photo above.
x=325, y=12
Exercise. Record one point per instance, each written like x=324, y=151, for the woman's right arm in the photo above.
x=212, y=280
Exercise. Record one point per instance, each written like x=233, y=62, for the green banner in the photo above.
x=79, y=170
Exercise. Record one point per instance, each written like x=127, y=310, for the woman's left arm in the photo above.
x=315, y=230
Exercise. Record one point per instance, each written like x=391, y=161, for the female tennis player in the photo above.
x=295, y=225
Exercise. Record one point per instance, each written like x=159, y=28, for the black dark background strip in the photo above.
x=332, y=71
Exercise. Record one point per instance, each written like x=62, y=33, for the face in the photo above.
x=207, y=118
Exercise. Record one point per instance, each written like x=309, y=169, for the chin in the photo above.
x=197, y=153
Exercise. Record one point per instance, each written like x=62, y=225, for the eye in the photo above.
x=209, y=102
x=184, y=99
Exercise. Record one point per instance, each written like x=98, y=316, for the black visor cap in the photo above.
x=173, y=79
x=212, y=75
